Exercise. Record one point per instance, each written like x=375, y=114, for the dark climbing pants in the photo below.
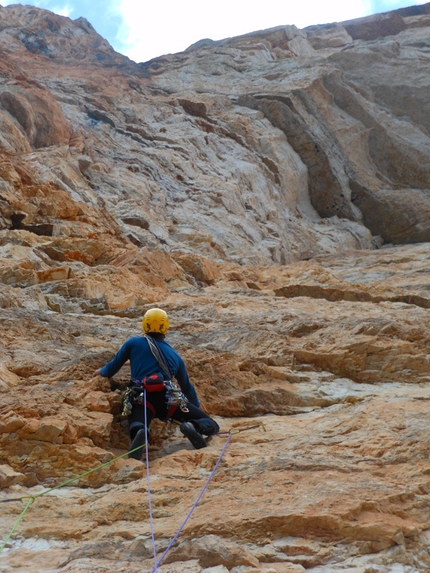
x=156, y=408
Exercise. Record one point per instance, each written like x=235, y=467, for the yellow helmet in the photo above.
x=155, y=320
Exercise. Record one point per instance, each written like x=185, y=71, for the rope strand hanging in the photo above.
x=148, y=481
x=32, y=498
x=157, y=564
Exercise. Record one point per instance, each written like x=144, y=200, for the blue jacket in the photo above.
x=143, y=363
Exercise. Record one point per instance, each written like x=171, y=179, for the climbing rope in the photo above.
x=32, y=498
x=148, y=481
x=194, y=505
x=18, y=521
x=230, y=433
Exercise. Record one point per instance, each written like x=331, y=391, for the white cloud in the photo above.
x=65, y=10
x=151, y=28
x=144, y=29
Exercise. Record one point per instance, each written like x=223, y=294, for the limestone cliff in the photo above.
x=271, y=192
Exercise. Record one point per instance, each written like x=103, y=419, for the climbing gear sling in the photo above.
x=134, y=394
x=174, y=396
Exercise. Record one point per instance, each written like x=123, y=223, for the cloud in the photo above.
x=64, y=10
x=154, y=28
x=144, y=29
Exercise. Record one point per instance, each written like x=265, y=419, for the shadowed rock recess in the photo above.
x=272, y=193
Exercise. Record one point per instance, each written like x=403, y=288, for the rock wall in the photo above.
x=270, y=191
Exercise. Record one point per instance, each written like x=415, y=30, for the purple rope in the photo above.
x=148, y=480
x=194, y=505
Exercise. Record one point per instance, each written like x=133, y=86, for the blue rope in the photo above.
x=148, y=480
x=194, y=505
x=33, y=498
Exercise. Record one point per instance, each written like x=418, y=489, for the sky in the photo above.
x=145, y=29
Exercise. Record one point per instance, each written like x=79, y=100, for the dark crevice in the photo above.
x=43, y=230
x=336, y=294
x=326, y=192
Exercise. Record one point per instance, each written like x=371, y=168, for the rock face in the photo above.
x=246, y=186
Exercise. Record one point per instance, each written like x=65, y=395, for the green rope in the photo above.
x=17, y=522
x=33, y=498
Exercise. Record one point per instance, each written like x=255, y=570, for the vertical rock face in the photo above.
x=246, y=186
x=252, y=149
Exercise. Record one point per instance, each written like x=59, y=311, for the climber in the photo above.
x=154, y=364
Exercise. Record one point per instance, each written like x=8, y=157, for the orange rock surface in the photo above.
x=271, y=193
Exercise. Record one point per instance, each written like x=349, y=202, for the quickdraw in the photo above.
x=174, y=396
x=134, y=394
x=127, y=402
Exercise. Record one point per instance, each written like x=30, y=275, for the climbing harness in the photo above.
x=136, y=388
x=134, y=394
x=174, y=396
